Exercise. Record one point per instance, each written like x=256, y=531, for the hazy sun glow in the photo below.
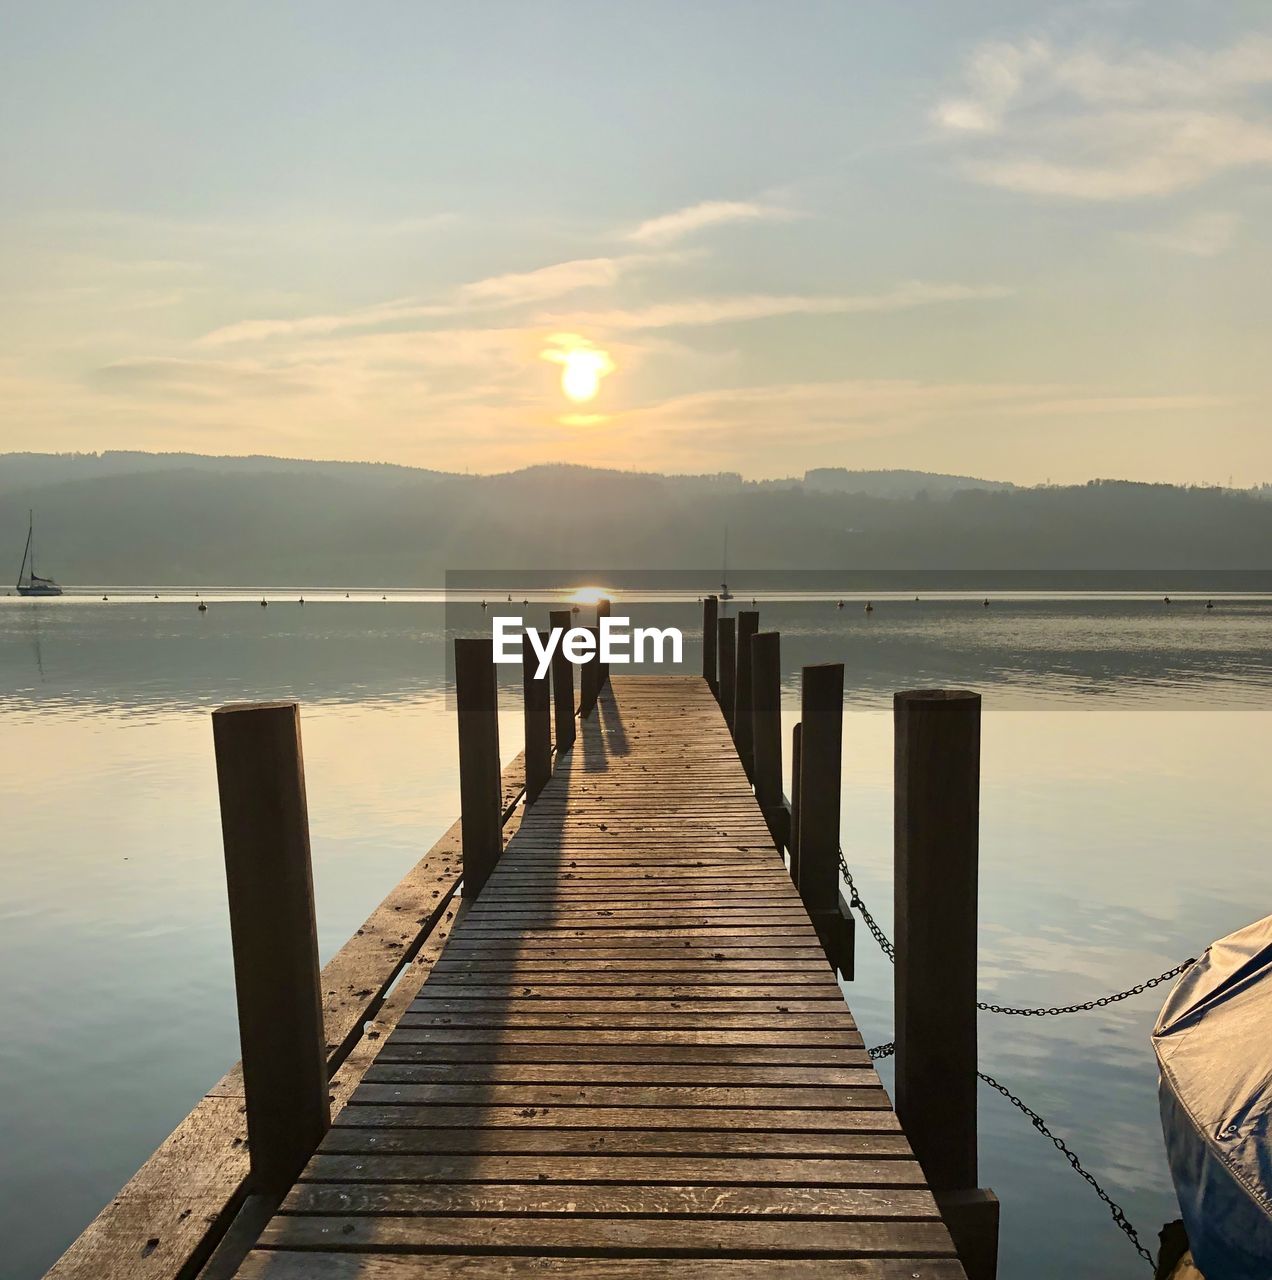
x=581, y=377
x=583, y=365
x=590, y=595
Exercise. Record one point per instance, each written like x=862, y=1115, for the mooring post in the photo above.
x=936, y=836
x=480, y=788
x=538, y=717
x=710, y=627
x=821, y=754
x=766, y=714
x=743, y=729
x=590, y=675
x=562, y=684
x=265, y=827
x=728, y=668
x=797, y=756
x=602, y=611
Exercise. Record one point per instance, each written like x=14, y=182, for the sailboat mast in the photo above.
x=26, y=551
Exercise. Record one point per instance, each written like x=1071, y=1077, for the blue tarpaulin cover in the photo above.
x=1213, y=1041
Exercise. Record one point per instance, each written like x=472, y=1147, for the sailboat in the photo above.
x=29, y=582
x=725, y=593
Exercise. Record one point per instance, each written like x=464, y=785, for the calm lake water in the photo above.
x=1124, y=826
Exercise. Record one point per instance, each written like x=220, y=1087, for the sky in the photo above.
x=1018, y=240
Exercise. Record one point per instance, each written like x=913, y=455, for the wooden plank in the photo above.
x=631, y=1236
x=427, y=1141
x=615, y=1168
x=542, y=1197
x=524, y=1115
x=307, y=1265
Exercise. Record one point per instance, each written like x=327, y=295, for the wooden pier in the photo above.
x=628, y=1055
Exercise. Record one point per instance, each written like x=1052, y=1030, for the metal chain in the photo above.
x=855, y=902
x=1138, y=989
x=1013, y=1011
x=1038, y=1123
x=1115, y=1210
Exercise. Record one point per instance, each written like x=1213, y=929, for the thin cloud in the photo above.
x=1204, y=235
x=735, y=309
x=1085, y=124
x=546, y=282
x=508, y=290
x=493, y=292
x=710, y=213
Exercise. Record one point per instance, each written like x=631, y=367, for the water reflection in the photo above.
x=137, y=657
x=1113, y=844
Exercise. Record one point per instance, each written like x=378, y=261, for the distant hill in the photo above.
x=895, y=484
x=187, y=519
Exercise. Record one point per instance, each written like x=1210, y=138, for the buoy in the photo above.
x=202, y=607
x=1210, y=604
x=752, y=599
x=525, y=604
x=1166, y=599
x=264, y=603
x=483, y=604
x=156, y=595
x=840, y=605
x=302, y=599
x=509, y=597
x=346, y=595
x=575, y=609
x=384, y=597
x=105, y=597
x=986, y=602
x=869, y=607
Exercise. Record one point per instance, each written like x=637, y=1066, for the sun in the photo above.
x=582, y=374
x=583, y=365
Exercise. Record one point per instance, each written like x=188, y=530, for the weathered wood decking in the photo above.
x=630, y=1057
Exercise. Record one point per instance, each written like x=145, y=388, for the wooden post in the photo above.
x=728, y=668
x=710, y=637
x=265, y=827
x=743, y=729
x=766, y=711
x=480, y=794
x=538, y=716
x=562, y=685
x=590, y=676
x=797, y=759
x=821, y=754
x=936, y=836
x=602, y=611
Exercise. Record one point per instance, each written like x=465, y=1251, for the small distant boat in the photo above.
x=29, y=582
x=1215, y=1094
x=725, y=593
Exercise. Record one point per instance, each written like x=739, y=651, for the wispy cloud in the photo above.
x=546, y=282
x=509, y=290
x=1089, y=124
x=734, y=309
x=1202, y=235
x=710, y=213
